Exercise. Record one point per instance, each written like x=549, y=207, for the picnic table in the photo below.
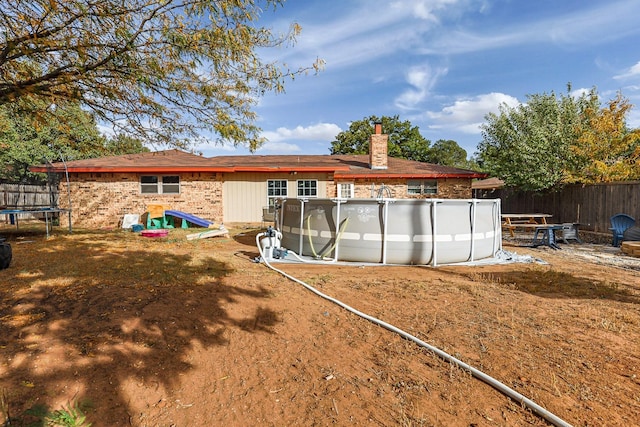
x=544, y=232
x=524, y=220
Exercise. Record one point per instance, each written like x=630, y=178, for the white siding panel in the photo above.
x=245, y=194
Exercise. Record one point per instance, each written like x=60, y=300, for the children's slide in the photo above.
x=196, y=220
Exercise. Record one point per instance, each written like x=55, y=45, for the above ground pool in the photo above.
x=391, y=231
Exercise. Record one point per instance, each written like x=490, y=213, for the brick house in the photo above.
x=235, y=189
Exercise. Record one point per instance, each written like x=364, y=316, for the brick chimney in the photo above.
x=378, y=148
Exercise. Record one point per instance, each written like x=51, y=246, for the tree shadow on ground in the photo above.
x=248, y=239
x=557, y=284
x=94, y=311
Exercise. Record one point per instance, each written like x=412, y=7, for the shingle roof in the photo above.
x=488, y=184
x=342, y=166
x=155, y=161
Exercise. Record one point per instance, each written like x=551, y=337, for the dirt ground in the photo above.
x=170, y=332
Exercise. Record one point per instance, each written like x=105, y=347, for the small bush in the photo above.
x=69, y=416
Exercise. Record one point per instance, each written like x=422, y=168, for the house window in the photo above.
x=171, y=184
x=276, y=188
x=345, y=190
x=307, y=188
x=421, y=187
x=153, y=184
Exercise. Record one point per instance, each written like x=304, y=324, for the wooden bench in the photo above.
x=631, y=248
x=526, y=221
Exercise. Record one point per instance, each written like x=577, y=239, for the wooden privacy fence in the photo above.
x=25, y=196
x=590, y=205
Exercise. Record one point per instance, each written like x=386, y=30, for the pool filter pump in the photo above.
x=270, y=244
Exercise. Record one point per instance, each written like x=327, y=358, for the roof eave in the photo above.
x=177, y=169
x=133, y=169
x=289, y=169
x=408, y=176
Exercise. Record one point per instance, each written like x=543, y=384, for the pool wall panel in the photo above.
x=392, y=231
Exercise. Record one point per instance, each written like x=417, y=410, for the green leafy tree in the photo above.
x=529, y=146
x=162, y=70
x=124, y=144
x=405, y=140
x=449, y=153
x=68, y=133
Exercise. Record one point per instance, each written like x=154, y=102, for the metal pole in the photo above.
x=66, y=172
x=336, y=232
x=473, y=228
x=433, y=233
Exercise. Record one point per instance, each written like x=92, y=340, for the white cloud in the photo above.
x=633, y=71
x=364, y=32
x=318, y=132
x=209, y=147
x=466, y=115
x=280, y=141
x=577, y=93
x=427, y=9
x=279, y=147
x=422, y=78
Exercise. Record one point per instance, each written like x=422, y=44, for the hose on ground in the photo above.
x=503, y=388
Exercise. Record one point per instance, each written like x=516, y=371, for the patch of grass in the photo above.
x=319, y=280
x=71, y=415
x=607, y=319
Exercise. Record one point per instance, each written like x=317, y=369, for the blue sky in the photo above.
x=441, y=64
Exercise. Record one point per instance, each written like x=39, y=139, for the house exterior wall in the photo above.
x=245, y=194
x=449, y=188
x=102, y=199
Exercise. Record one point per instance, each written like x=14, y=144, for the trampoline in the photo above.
x=48, y=213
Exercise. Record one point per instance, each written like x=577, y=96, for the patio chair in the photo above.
x=619, y=223
x=570, y=232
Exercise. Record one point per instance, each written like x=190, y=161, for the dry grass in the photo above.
x=169, y=331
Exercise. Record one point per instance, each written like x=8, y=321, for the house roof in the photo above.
x=487, y=184
x=167, y=161
x=176, y=161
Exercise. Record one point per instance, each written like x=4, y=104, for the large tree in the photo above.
x=70, y=133
x=447, y=152
x=606, y=150
x=529, y=146
x=123, y=144
x=161, y=70
x=405, y=140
